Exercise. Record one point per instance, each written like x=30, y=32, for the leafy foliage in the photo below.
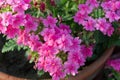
x=11, y=46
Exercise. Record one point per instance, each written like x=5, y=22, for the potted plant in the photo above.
x=60, y=36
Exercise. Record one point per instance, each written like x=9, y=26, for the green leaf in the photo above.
x=40, y=73
x=11, y=46
x=99, y=37
x=114, y=40
x=116, y=74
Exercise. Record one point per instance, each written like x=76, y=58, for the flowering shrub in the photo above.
x=50, y=32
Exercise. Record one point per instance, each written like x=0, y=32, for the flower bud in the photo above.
x=42, y=6
x=52, y=2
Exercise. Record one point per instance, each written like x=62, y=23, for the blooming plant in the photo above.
x=59, y=35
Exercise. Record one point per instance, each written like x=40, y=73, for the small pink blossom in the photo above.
x=65, y=28
x=11, y=32
x=102, y=25
x=75, y=44
x=106, y=5
x=2, y=28
x=47, y=33
x=6, y=18
x=31, y=26
x=50, y=21
x=90, y=24
x=58, y=74
x=18, y=20
x=41, y=63
x=84, y=8
x=34, y=43
x=71, y=68
x=92, y=3
x=2, y=2
x=23, y=38
x=80, y=17
x=76, y=57
x=110, y=31
x=112, y=16
x=47, y=51
x=87, y=51
x=64, y=42
x=115, y=64
x=19, y=5
x=53, y=65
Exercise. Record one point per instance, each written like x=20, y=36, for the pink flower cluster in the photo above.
x=58, y=39
x=112, y=10
x=10, y=23
x=82, y=18
x=16, y=5
x=114, y=63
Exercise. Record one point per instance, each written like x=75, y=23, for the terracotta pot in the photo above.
x=4, y=76
x=86, y=74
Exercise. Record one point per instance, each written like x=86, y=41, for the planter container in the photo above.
x=86, y=74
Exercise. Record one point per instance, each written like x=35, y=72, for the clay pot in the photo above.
x=4, y=76
x=86, y=74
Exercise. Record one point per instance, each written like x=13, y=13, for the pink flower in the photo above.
x=110, y=31
x=90, y=24
x=18, y=20
x=117, y=4
x=111, y=10
x=6, y=18
x=115, y=64
x=75, y=44
x=76, y=57
x=31, y=26
x=118, y=12
x=27, y=1
x=1, y=2
x=47, y=33
x=58, y=74
x=113, y=6
x=2, y=28
x=34, y=43
x=53, y=64
x=10, y=2
x=47, y=51
x=20, y=6
x=80, y=17
x=11, y=32
x=86, y=51
x=64, y=42
x=23, y=38
x=106, y=5
x=65, y=28
x=102, y=25
x=84, y=8
x=71, y=68
x=41, y=63
x=50, y=21
x=92, y=3
x=112, y=16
